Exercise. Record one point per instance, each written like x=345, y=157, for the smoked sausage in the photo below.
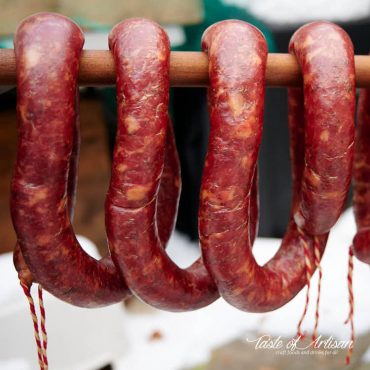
x=237, y=60
x=325, y=54
x=141, y=52
x=47, y=48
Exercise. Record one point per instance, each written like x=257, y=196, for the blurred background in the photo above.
x=141, y=334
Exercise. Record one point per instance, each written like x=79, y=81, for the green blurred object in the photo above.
x=6, y=43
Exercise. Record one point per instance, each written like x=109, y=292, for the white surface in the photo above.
x=295, y=11
x=79, y=339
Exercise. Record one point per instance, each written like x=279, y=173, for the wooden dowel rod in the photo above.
x=186, y=69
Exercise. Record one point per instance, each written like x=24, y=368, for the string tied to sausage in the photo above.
x=41, y=342
x=307, y=259
x=351, y=301
x=317, y=260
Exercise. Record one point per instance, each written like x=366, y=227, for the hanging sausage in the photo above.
x=321, y=171
x=48, y=47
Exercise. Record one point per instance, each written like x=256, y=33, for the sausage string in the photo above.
x=41, y=344
x=351, y=300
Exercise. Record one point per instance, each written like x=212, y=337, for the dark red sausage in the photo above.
x=23, y=271
x=237, y=60
x=325, y=54
x=47, y=48
x=361, y=179
x=141, y=52
x=44, y=180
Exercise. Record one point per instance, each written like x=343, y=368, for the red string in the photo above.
x=318, y=265
x=308, y=278
x=309, y=271
x=43, y=328
x=27, y=292
x=351, y=305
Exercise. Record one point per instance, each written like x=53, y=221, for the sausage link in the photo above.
x=141, y=52
x=44, y=180
x=237, y=68
x=24, y=273
x=47, y=48
x=361, y=179
x=325, y=54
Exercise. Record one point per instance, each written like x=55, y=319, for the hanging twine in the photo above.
x=308, y=278
x=318, y=266
x=41, y=345
x=351, y=304
x=43, y=328
x=309, y=272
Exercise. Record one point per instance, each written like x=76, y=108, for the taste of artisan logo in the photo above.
x=296, y=346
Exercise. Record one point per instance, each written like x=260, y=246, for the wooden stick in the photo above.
x=186, y=69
